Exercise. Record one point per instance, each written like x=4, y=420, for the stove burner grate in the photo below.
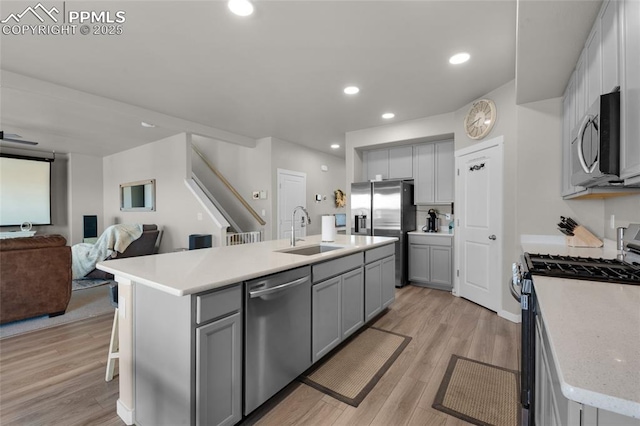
x=583, y=268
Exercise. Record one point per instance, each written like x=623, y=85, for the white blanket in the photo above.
x=84, y=256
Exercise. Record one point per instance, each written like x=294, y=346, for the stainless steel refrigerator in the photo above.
x=385, y=209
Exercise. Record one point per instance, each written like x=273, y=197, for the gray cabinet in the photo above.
x=377, y=163
x=388, y=280
x=326, y=321
x=372, y=290
x=391, y=163
x=219, y=372
x=610, y=42
x=433, y=172
x=352, y=301
x=197, y=347
x=379, y=287
x=431, y=260
x=401, y=162
x=630, y=93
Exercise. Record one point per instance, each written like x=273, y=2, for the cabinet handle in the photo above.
x=492, y=237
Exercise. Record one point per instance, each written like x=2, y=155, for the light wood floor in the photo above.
x=56, y=376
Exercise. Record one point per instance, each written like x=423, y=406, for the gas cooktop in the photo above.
x=583, y=268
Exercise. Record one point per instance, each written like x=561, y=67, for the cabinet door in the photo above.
x=445, y=165
x=419, y=263
x=567, y=112
x=630, y=96
x=378, y=163
x=401, y=162
x=424, y=174
x=219, y=372
x=610, y=41
x=325, y=317
x=388, y=280
x=594, y=65
x=352, y=301
x=372, y=290
x=581, y=87
x=440, y=261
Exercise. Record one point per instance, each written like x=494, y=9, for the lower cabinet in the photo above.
x=188, y=357
x=336, y=311
x=431, y=260
x=219, y=372
x=379, y=288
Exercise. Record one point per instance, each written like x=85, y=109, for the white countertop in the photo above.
x=557, y=245
x=594, y=333
x=431, y=234
x=194, y=271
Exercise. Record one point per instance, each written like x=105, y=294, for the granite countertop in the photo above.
x=594, y=332
x=188, y=272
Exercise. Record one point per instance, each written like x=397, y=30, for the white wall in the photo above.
x=168, y=162
x=85, y=193
x=290, y=156
x=247, y=169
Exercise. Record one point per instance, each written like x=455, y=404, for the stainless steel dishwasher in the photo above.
x=278, y=333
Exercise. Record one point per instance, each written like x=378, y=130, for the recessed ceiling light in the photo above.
x=388, y=115
x=335, y=146
x=145, y=124
x=240, y=7
x=351, y=90
x=459, y=58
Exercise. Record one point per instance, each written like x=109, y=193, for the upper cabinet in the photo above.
x=610, y=59
x=630, y=88
x=391, y=163
x=433, y=171
x=430, y=165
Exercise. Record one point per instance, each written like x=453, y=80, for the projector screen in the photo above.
x=25, y=190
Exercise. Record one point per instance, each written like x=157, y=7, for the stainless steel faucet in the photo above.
x=293, y=223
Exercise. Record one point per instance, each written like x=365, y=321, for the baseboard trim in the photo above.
x=124, y=412
x=509, y=316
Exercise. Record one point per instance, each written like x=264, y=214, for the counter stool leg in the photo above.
x=113, y=349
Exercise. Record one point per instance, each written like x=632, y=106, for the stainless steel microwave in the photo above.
x=595, y=146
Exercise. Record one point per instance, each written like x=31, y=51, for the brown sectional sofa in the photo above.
x=35, y=277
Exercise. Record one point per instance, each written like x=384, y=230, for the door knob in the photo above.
x=492, y=237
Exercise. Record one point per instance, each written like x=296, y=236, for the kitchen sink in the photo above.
x=311, y=250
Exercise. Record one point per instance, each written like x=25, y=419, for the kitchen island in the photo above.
x=588, y=346
x=171, y=305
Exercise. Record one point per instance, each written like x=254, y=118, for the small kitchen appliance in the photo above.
x=595, y=145
x=616, y=271
x=433, y=222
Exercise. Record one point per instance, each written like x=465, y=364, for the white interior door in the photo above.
x=292, y=192
x=478, y=208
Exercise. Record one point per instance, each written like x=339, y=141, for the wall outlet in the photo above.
x=255, y=195
x=447, y=216
x=199, y=216
x=263, y=195
x=613, y=221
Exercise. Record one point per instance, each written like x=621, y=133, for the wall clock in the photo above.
x=480, y=119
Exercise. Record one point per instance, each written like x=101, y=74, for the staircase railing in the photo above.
x=216, y=203
x=229, y=187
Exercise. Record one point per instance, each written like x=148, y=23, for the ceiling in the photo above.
x=193, y=66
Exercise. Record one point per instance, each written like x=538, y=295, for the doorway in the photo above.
x=479, y=235
x=292, y=192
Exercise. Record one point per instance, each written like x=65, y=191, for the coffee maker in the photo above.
x=433, y=222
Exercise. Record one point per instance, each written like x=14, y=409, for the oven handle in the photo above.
x=514, y=293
